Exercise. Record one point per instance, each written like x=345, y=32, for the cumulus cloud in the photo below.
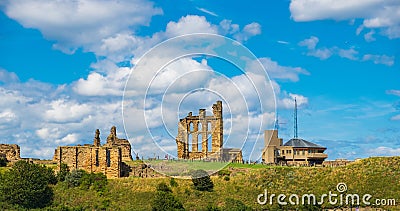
x=190, y=24
x=73, y=24
x=383, y=14
x=8, y=77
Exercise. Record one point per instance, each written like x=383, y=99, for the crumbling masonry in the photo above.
x=108, y=159
x=11, y=152
x=194, y=133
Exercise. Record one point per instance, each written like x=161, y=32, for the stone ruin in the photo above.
x=197, y=133
x=108, y=158
x=11, y=152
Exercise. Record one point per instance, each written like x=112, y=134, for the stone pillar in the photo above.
x=217, y=127
x=96, y=140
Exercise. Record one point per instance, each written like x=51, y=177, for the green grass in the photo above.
x=379, y=177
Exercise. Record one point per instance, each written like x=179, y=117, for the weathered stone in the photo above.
x=10, y=151
x=202, y=128
x=107, y=159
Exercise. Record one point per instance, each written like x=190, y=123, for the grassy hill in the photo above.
x=379, y=177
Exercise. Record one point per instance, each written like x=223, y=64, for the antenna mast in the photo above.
x=295, y=118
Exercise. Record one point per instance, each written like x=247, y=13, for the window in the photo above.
x=303, y=152
x=108, y=160
x=97, y=157
x=283, y=152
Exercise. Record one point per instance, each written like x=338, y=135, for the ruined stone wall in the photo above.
x=91, y=159
x=107, y=159
x=196, y=131
x=10, y=151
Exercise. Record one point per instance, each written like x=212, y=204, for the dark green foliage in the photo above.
x=27, y=185
x=172, y=182
x=202, y=181
x=64, y=171
x=95, y=181
x=73, y=179
x=3, y=162
x=164, y=200
x=224, y=172
x=227, y=178
x=163, y=187
x=235, y=205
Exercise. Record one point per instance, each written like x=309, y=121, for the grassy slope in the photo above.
x=379, y=177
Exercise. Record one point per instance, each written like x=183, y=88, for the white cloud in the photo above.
x=379, y=59
x=311, y=44
x=395, y=118
x=8, y=77
x=393, y=92
x=190, y=24
x=73, y=24
x=248, y=31
x=352, y=54
x=348, y=53
x=382, y=14
x=275, y=71
x=66, y=111
x=384, y=151
x=207, y=11
x=369, y=37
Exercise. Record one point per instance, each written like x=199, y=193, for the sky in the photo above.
x=69, y=67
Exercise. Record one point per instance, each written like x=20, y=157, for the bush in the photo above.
x=202, y=181
x=3, y=162
x=163, y=187
x=27, y=185
x=96, y=181
x=73, y=179
x=235, y=205
x=64, y=171
x=172, y=182
x=224, y=172
x=164, y=200
x=227, y=178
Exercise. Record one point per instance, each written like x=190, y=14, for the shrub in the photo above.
x=227, y=178
x=224, y=172
x=163, y=187
x=202, y=181
x=164, y=200
x=96, y=181
x=3, y=162
x=173, y=182
x=64, y=171
x=73, y=179
x=27, y=185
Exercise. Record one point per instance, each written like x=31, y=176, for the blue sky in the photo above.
x=64, y=67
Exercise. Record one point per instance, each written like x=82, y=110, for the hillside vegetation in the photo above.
x=239, y=185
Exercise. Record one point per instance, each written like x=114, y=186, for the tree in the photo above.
x=27, y=185
x=64, y=171
x=202, y=181
x=3, y=161
x=164, y=200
